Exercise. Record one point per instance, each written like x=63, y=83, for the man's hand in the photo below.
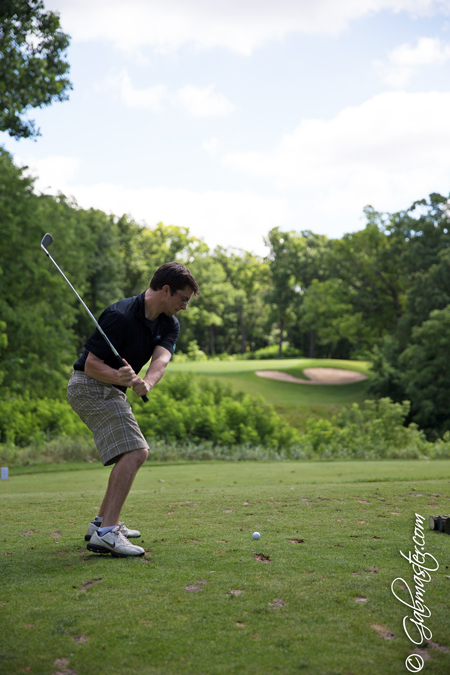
x=127, y=376
x=141, y=387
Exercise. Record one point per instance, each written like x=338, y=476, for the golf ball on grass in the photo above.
x=256, y=535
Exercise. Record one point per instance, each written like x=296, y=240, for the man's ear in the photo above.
x=166, y=290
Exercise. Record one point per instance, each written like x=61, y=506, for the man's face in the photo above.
x=178, y=300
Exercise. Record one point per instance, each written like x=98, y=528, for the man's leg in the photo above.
x=120, y=481
x=119, y=485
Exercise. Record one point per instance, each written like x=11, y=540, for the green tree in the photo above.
x=248, y=274
x=368, y=264
x=429, y=290
x=294, y=261
x=33, y=72
x=425, y=373
x=34, y=303
x=425, y=230
x=424, y=265
x=327, y=308
x=205, y=317
x=144, y=249
x=3, y=343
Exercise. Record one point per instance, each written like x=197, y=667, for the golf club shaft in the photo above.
x=113, y=349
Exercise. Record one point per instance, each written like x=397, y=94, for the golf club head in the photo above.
x=47, y=239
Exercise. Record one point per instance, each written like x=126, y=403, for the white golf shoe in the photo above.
x=113, y=542
x=129, y=534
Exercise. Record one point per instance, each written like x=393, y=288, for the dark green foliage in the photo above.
x=272, y=353
x=33, y=72
x=33, y=306
x=295, y=260
x=374, y=430
x=386, y=379
x=412, y=362
x=23, y=420
x=430, y=290
x=425, y=372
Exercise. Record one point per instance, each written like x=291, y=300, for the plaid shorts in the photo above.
x=107, y=413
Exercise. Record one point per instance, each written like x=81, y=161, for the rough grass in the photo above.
x=331, y=534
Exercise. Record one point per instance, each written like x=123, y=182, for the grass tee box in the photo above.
x=312, y=595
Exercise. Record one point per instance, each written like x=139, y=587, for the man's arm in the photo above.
x=99, y=370
x=157, y=368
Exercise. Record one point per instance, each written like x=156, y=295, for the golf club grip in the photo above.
x=122, y=365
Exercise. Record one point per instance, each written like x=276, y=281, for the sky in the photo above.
x=231, y=117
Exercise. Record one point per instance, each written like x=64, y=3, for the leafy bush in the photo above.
x=192, y=418
x=186, y=408
x=23, y=419
x=194, y=353
x=374, y=430
x=271, y=352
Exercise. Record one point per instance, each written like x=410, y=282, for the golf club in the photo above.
x=47, y=239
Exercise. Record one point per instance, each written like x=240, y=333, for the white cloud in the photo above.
x=196, y=101
x=389, y=151
x=151, y=98
x=405, y=60
x=51, y=172
x=227, y=218
x=237, y=25
x=211, y=145
x=203, y=102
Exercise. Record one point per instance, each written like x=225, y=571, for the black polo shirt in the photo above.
x=132, y=334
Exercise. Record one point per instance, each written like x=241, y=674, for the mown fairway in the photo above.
x=321, y=602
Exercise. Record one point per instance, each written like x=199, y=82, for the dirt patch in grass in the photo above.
x=297, y=541
x=382, y=631
x=193, y=588
x=436, y=645
x=88, y=584
x=277, y=602
x=262, y=558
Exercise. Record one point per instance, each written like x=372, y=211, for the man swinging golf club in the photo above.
x=140, y=328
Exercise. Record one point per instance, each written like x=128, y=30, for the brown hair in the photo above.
x=175, y=275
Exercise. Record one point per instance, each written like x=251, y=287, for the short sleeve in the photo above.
x=169, y=341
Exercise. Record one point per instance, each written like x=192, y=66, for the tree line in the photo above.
x=381, y=293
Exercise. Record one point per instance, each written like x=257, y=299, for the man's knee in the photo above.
x=141, y=455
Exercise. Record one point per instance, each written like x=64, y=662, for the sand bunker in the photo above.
x=316, y=376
